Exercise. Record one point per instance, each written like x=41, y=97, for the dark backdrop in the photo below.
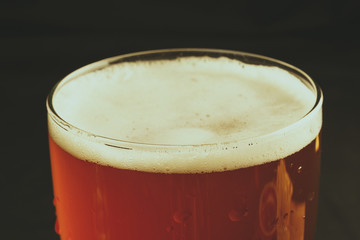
x=42, y=41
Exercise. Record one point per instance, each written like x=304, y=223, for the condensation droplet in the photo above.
x=169, y=228
x=245, y=212
x=299, y=170
x=57, y=227
x=55, y=201
x=181, y=216
x=291, y=165
x=303, y=217
x=234, y=215
x=311, y=196
x=275, y=221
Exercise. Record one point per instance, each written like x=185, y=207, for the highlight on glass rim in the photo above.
x=186, y=144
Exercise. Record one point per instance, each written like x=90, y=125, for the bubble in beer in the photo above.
x=299, y=170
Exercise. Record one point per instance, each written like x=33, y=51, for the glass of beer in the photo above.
x=185, y=144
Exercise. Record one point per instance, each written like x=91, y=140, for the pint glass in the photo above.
x=185, y=144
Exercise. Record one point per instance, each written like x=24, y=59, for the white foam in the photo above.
x=220, y=114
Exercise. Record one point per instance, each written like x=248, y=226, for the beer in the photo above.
x=185, y=147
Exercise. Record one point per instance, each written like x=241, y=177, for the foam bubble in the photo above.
x=220, y=113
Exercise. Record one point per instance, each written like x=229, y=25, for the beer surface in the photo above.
x=219, y=114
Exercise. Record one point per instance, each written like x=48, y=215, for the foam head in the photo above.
x=200, y=105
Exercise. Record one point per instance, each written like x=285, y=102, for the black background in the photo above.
x=42, y=41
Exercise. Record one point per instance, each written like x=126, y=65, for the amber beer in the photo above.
x=185, y=144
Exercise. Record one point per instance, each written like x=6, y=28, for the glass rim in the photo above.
x=124, y=144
